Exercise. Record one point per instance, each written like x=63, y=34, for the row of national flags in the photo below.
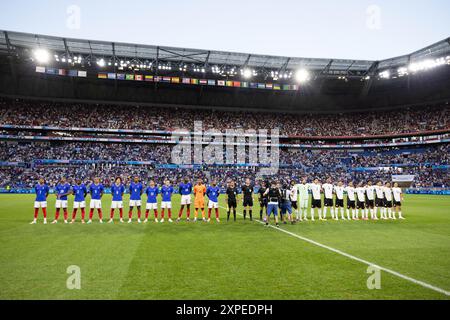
x=62, y=72
x=164, y=79
x=193, y=81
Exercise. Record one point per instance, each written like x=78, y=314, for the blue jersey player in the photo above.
x=79, y=191
x=62, y=190
x=185, y=189
x=41, y=189
x=152, y=201
x=96, y=190
x=213, y=192
x=136, y=190
x=166, y=201
x=117, y=191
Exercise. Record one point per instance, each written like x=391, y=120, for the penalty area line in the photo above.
x=342, y=253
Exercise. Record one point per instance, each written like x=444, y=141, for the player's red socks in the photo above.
x=180, y=213
x=100, y=214
x=36, y=212
x=217, y=213
x=121, y=213
x=130, y=214
x=83, y=213
x=91, y=214
x=170, y=213
x=44, y=211
x=74, y=214
x=156, y=214
x=162, y=213
x=146, y=213
x=139, y=213
x=111, y=216
x=65, y=214
x=57, y=214
x=188, y=212
x=209, y=213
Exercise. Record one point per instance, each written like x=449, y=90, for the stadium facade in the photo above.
x=217, y=79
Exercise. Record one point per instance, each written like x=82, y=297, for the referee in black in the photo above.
x=231, y=194
x=247, y=193
x=263, y=200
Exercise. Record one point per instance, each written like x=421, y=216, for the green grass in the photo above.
x=241, y=260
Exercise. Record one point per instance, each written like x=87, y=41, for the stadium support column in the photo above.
x=11, y=63
x=324, y=73
x=72, y=79
x=155, y=86
x=371, y=74
x=114, y=63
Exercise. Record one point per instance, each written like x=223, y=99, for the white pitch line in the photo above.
x=395, y=273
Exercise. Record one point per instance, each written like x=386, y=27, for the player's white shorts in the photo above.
x=151, y=206
x=212, y=204
x=40, y=204
x=61, y=204
x=135, y=203
x=166, y=204
x=117, y=205
x=186, y=199
x=96, y=204
x=303, y=203
x=79, y=204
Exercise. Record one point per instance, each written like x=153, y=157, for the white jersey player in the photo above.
x=379, y=198
x=351, y=200
x=328, y=198
x=293, y=197
x=398, y=197
x=360, y=201
x=316, y=201
x=339, y=202
x=370, y=201
x=388, y=201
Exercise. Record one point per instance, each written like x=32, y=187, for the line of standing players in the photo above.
x=274, y=196
x=365, y=198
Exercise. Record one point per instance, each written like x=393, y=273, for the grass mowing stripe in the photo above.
x=395, y=273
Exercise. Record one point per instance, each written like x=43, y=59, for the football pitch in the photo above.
x=234, y=260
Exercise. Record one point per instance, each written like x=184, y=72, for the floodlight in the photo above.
x=302, y=75
x=42, y=55
x=247, y=73
x=101, y=62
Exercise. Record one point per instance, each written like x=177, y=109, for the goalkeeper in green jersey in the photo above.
x=303, y=198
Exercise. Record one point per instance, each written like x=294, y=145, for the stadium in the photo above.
x=73, y=110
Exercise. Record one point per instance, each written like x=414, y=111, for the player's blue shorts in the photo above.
x=286, y=207
x=272, y=208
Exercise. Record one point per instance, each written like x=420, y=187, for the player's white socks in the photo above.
x=348, y=214
x=332, y=213
x=312, y=214
x=324, y=213
x=400, y=215
x=389, y=213
x=342, y=213
x=393, y=215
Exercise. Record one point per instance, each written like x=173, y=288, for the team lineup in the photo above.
x=287, y=203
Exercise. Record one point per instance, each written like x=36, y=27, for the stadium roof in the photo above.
x=12, y=41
